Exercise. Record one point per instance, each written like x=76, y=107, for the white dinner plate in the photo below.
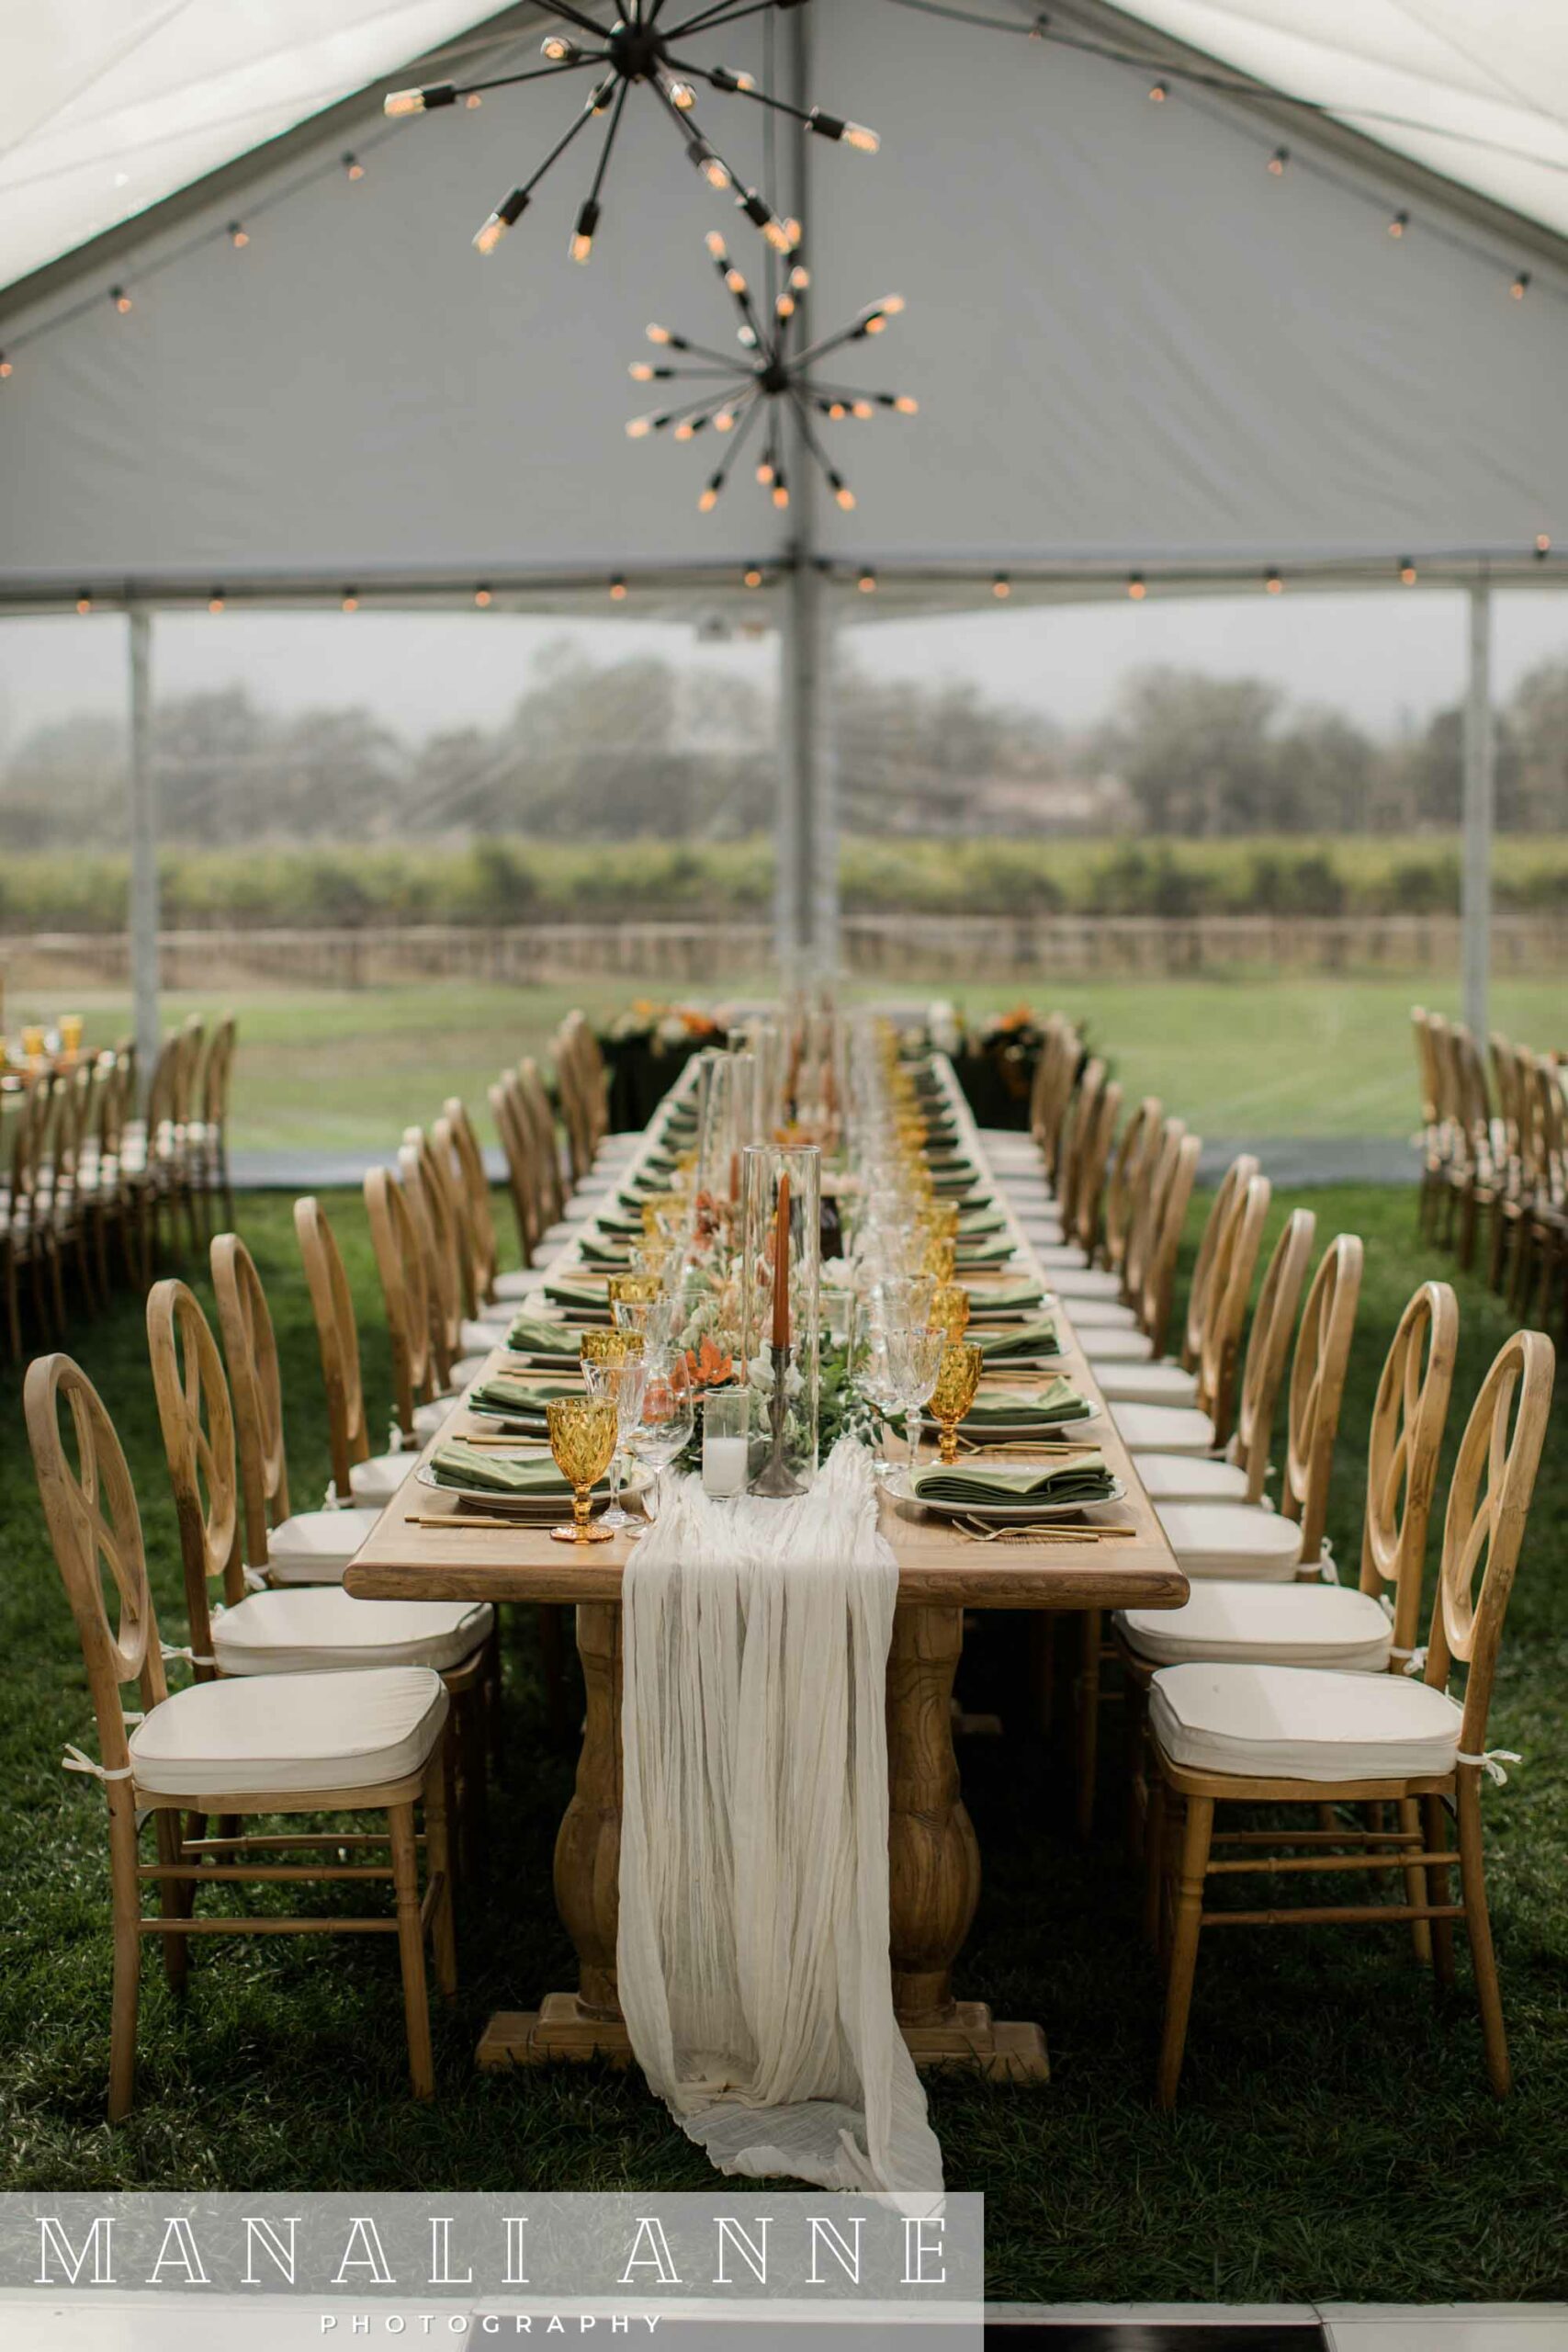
x=1009, y=1432
x=526, y=1508
x=902, y=1492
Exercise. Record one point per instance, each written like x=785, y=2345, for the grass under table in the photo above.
x=1334, y=2138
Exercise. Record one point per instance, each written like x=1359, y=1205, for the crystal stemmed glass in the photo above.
x=914, y=1357
x=620, y=1385
x=952, y=1390
x=582, y=1439
x=879, y=1387
x=668, y=1419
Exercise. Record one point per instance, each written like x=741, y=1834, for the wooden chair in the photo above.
x=284, y=1545
x=29, y=1250
x=1226, y=1735
x=302, y=1629
x=1150, y=1265
x=1432, y=1140
x=534, y=1096
x=420, y=1403
x=153, y=1151
x=1136, y=1150
x=300, y=1745
x=1127, y=1363
x=358, y=1475
x=430, y=1210
x=512, y=1126
x=1240, y=1474
x=453, y=1134
x=1110, y=1298
x=209, y=1129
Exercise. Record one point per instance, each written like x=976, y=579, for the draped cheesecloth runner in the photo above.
x=752, y=1953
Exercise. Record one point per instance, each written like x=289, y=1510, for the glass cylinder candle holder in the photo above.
x=727, y=1421
x=781, y=1195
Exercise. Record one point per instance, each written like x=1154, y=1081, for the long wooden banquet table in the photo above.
x=933, y=1854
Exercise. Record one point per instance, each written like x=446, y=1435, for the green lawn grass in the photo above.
x=1334, y=2137
x=1249, y=1055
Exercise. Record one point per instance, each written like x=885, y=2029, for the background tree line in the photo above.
x=641, y=747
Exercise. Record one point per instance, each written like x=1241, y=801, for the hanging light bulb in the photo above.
x=84, y=603
x=723, y=78
x=709, y=498
x=353, y=168
x=7, y=366
x=403, y=102
x=1278, y=160
x=1407, y=572
x=841, y=492
x=639, y=427
x=559, y=50
x=866, y=583
x=617, y=590
x=752, y=577
x=215, y=602
x=1398, y=225
x=506, y=216
x=714, y=168
x=682, y=95
x=582, y=246
x=780, y=492
x=1273, y=584
x=1136, y=587
x=1519, y=285
x=1002, y=587
x=765, y=472
x=1159, y=93
x=239, y=235
x=717, y=250
x=724, y=421
x=350, y=600
x=905, y=405
x=1542, y=544
x=121, y=300
x=482, y=599
x=659, y=335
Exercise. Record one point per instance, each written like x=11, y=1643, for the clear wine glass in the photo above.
x=620, y=1385
x=914, y=1358
x=666, y=1422
x=879, y=1387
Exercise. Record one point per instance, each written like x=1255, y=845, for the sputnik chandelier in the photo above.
x=775, y=381
x=639, y=49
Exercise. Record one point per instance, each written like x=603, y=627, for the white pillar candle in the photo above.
x=724, y=1465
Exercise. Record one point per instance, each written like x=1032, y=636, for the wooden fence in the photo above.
x=936, y=950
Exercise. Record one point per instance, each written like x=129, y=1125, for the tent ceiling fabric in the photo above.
x=1486, y=81
x=1133, y=346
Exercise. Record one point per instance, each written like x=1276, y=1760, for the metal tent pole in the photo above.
x=1480, y=785
x=143, y=827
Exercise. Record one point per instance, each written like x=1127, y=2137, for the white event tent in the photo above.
x=1201, y=295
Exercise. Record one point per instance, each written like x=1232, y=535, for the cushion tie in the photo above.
x=1492, y=1762
x=256, y=1581
x=75, y=1761
x=1328, y=1568
x=191, y=1658
x=395, y=1438
x=1411, y=1662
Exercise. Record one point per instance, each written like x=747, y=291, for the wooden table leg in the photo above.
x=934, y=1869
x=587, y=2023
x=934, y=1861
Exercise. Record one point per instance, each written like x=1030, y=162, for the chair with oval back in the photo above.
x=209, y=1127
x=287, y=1547
x=363, y=1743
x=1107, y=1297
x=358, y=1475
x=1127, y=1360
x=1260, y=1735
x=419, y=1403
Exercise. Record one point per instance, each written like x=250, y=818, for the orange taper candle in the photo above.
x=781, y=1267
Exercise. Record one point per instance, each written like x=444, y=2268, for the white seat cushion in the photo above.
x=1320, y=1625
x=1189, y=1478
x=1147, y=1384
x=1086, y=1282
x=291, y=1734
x=488, y=1331
x=1059, y=1256
x=467, y=1370
x=1097, y=1315
x=1111, y=1344
x=1165, y=1428
x=1291, y=1723
x=376, y=1481
x=1233, y=1540
x=429, y=1420
x=321, y=1629
x=315, y=1546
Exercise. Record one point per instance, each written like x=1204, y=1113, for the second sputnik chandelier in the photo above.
x=644, y=50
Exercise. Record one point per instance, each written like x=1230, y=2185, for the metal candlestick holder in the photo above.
x=781, y=1355
x=776, y=1478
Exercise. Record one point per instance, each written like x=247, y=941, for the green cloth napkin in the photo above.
x=1084, y=1480
x=583, y=1298
x=986, y=1253
x=457, y=1464
x=1058, y=1401
x=1025, y=1340
x=974, y=1224
x=1006, y=1299
x=599, y=1249
x=534, y=1335
x=519, y=1399
x=952, y=1181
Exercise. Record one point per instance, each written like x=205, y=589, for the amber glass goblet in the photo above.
x=584, y=1431
x=957, y=1378
x=950, y=1309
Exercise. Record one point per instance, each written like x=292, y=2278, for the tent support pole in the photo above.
x=144, y=830
x=1480, y=785
x=806, y=837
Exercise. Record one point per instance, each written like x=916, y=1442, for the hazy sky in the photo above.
x=1387, y=659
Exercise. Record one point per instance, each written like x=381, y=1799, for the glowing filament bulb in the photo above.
x=777, y=234
x=709, y=498
x=845, y=496
x=1136, y=588
x=239, y=236
x=1407, y=573
x=353, y=167
x=877, y=323
x=752, y=579
x=866, y=583
x=559, y=50
x=1002, y=587
x=1159, y=92
x=1518, y=289
x=659, y=335
x=715, y=172
x=1398, y=225
x=800, y=277
x=350, y=601
x=121, y=300
x=1273, y=584
x=7, y=366
x=640, y=371
x=84, y=603
x=857, y=135
x=717, y=245
x=1278, y=160
x=765, y=473
x=837, y=410
x=785, y=307
x=215, y=602
x=685, y=429
x=1543, y=543
x=401, y=102
x=639, y=428
x=735, y=281
x=906, y=406
x=582, y=246
x=781, y=494
x=505, y=216
x=682, y=95
x=617, y=590
x=864, y=409
x=724, y=421
x=482, y=599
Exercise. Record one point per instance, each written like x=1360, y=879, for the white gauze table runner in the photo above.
x=752, y=1952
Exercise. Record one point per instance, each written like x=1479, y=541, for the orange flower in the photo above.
x=710, y=1367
